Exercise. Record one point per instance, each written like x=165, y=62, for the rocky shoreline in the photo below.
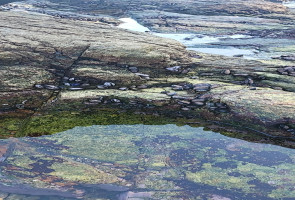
x=48, y=61
x=90, y=109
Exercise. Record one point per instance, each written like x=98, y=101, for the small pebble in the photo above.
x=227, y=72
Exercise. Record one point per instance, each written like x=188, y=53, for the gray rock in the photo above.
x=20, y=106
x=177, y=87
x=202, y=87
x=174, y=69
x=108, y=84
x=281, y=70
x=289, y=69
x=75, y=89
x=38, y=86
x=184, y=102
x=95, y=101
x=206, y=74
x=115, y=101
x=249, y=81
x=171, y=94
x=198, y=100
x=227, y=72
x=142, y=75
x=133, y=69
x=142, y=87
x=178, y=97
x=198, y=103
x=51, y=87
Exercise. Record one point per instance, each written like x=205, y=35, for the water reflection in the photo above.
x=144, y=162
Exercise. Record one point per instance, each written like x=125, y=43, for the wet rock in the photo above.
x=174, y=69
x=171, y=94
x=115, y=101
x=287, y=71
x=249, y=81
x=185, y=109
x=184, y=102
x=123, y=88
x=185, y=71
x=145, y=76
x=288, y=57
x=281, y=70
x=221, y=105
x=176, y=87
x=202, y=87
x=85, y=85
x=51, y=87
x=277, y=88
x=239, y=74
x=142, y=87
x=206, y=74
x=100, y=87
x=75, y=89
x=204, y=96
x=96, y=101
x=38, y=86
x=20, y=106
x=197, y=56
x=108, y=84
x=133, y=69
x=187, y=86
x=178, y=97
x=75, y=84
x=218, y=107
x=198, y=103
x=284, y=127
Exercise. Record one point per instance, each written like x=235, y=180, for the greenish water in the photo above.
x=144, y=162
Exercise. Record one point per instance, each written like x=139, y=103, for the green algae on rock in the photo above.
x=162, y=161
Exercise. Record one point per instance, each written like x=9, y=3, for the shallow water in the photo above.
x=144, y=162
x=229, y=51
x=289, y=4
x=196, y=42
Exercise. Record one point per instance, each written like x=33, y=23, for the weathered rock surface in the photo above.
x=65, y=63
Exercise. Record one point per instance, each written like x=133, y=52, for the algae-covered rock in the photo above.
x=144, y=161
x=63, y=61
